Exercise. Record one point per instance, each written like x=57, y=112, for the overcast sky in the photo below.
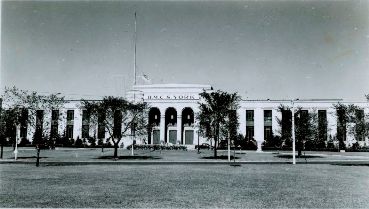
x=261, y=49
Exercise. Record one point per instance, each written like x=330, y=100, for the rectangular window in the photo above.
x=249, y=115
x=39, y=123
x=267, y=117
x=359, y=125
x=268, y=133
x=249, y=118
x=70, y=115
x=117, y=130
x=286, y=124
x=85, y=131
x=322, y=125
x=85, y=117
x=85, y=124
x=101, y=126
x=54, y=115
x=24, y=123
x=54, y=131
x=54, y=123
x=249, y=132
x=39, y=117
x=69, y=131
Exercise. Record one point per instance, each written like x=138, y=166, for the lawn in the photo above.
x=210, y=186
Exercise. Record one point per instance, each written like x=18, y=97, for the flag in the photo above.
x=146, y=78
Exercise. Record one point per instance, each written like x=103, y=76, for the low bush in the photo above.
x=157, y=147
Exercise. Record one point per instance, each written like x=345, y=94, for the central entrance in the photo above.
x=171, y=125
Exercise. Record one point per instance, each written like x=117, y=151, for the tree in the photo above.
x=27, y=108
x=349, y=114
x=121, y=117
x=286, y=125
x=305, y=128
x=215, y=108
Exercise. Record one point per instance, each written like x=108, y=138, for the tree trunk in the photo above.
x=299, y=153
x=215, y=146
x=216, y=138
x=38, y=156
x=115, y=150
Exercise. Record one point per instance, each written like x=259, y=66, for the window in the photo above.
x=359, y=125
x=85, y=124
x=85, y=117
x=85, y=131
x=249, y=118
x=249, y=132
x=23, y=123
x=117, y=130
x=267, y=117
x=39, y=123
x=249, y=115
x=70, y=115
x=54, y=115
x=268, y=133
x=322, y=125
x=101, y=132
x=69, y=131
x=54, y=131
x=39, y=117
x=101, y=126
x=54, y=123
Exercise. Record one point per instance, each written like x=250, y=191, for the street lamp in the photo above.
x=230, y=111
x=17, y=135
x=198, y=142
x=293, y=133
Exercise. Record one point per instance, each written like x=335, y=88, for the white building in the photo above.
x=173, y=109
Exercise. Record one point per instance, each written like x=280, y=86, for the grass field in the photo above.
x=248, y=186
x=95, y=154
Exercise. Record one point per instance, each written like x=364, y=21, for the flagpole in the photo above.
x=135, y=40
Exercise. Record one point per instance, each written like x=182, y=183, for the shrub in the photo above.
x=355, y=147
x=79, y=142
x=24, y=142
x=274, y=142
x=157, y=147
x=92, y=141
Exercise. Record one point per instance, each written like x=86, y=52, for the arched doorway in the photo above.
x=188, y=119
x=153, y=128
x=171, y=125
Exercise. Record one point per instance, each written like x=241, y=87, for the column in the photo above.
x=276, y=115
x=46, y=122
x=179, y=128
x=366, y=113
x=162, y=128
x=196, y=135
x=259, y=127
x=242, y=119
x=331, y=123
x=77, y=126
x=62, y=121
x=31, y=128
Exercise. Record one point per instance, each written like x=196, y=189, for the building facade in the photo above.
x=172, y=114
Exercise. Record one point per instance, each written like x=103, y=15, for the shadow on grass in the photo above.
x=351, y=164
x=135, y=157
x=32, y=157
x=302, y=156
x=221, y=157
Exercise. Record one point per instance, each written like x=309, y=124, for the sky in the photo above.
x=260, y=49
